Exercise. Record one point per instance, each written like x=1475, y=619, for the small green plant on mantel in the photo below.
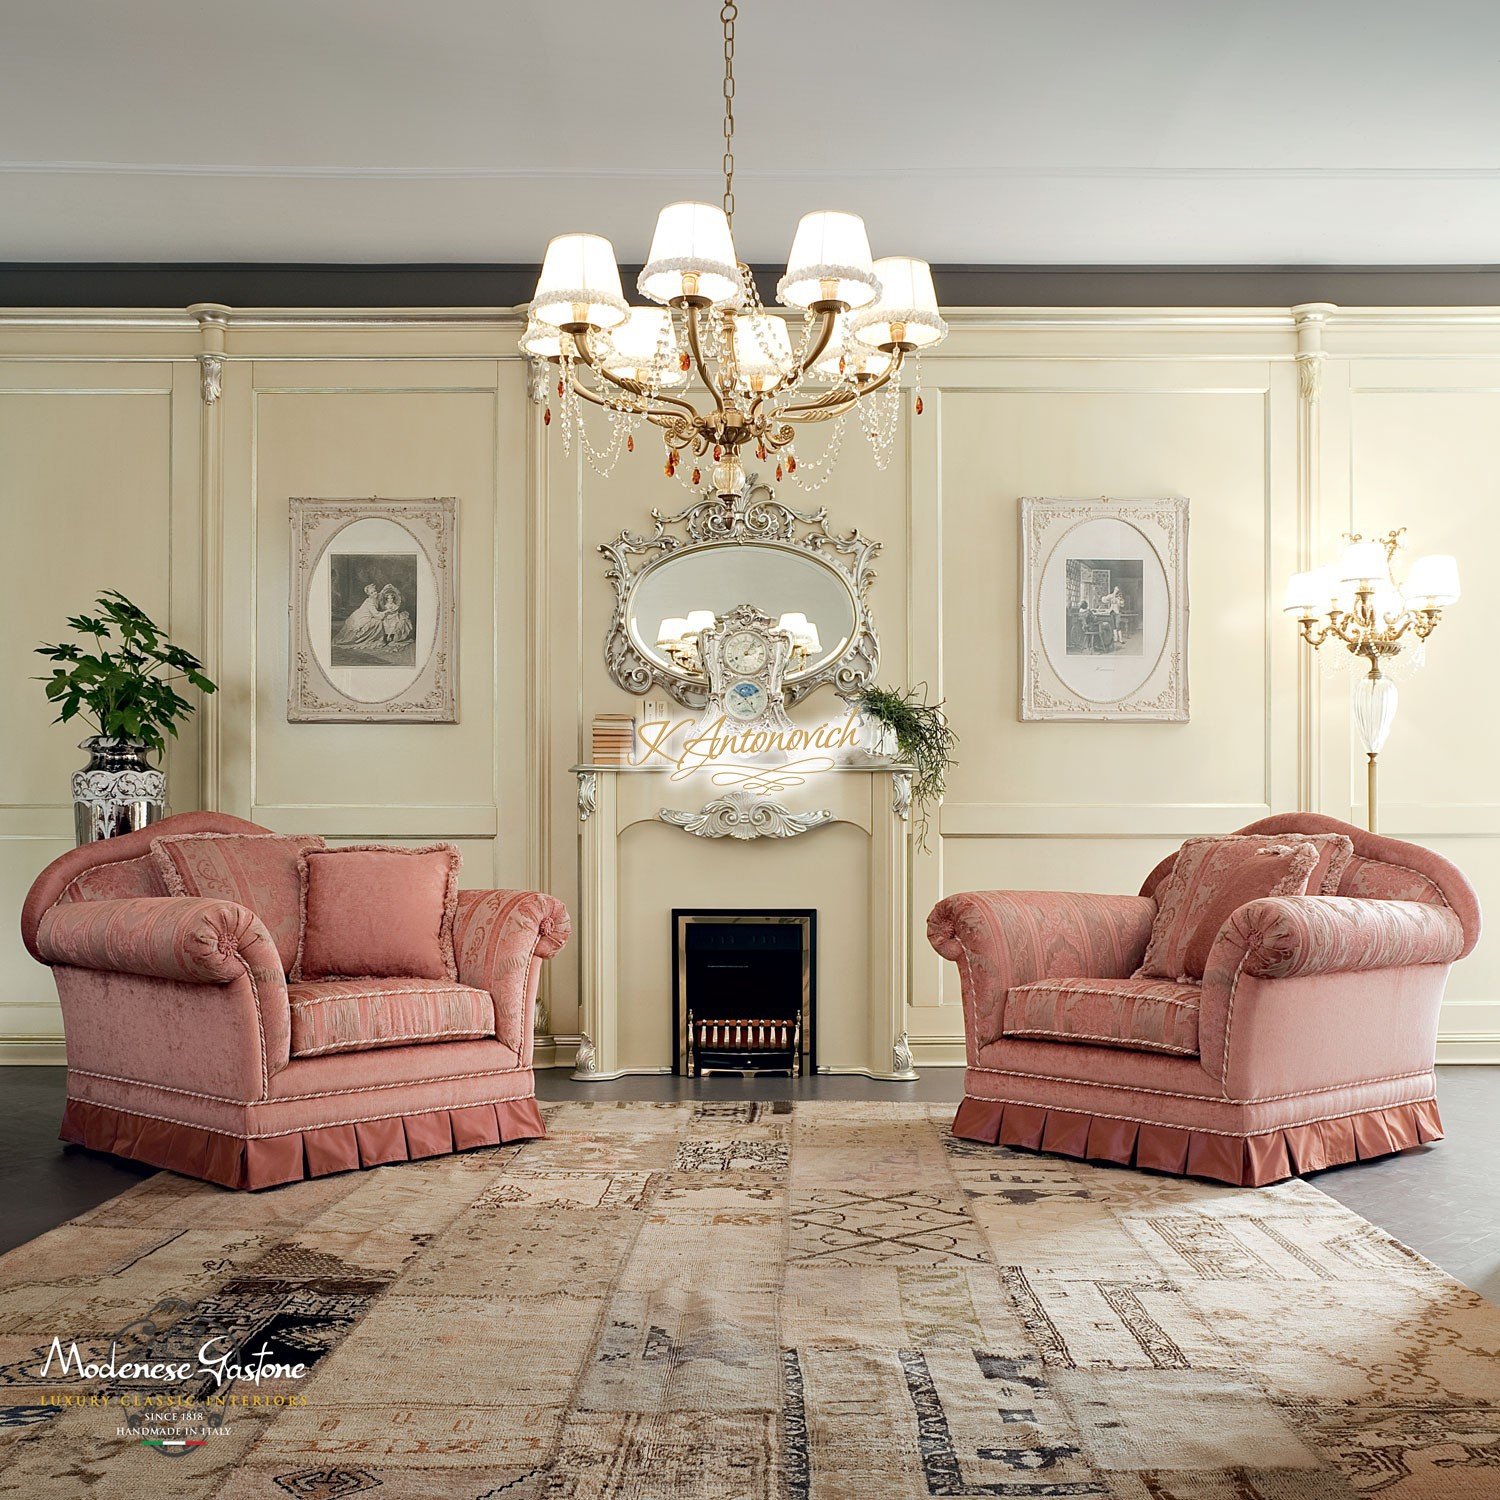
x=924, y=739
x=123, y=686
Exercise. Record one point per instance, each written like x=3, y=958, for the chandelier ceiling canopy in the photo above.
x=714, y=370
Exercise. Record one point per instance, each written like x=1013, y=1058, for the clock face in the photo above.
x=745, y=652
x=745, y=701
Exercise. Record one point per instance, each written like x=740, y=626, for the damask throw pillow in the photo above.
x=255, y=870
x=378, y=911
x=1212, y=878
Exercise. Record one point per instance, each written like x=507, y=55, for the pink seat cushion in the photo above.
x=342, y=1015
x=375, y=909
x=254, y=870
x=1144, y=1015
x=1211, y=879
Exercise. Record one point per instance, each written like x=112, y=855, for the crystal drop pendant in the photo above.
x=697, y=476
x=630, y=442
x=778, y=473
x=791, y=463
x=919, y=406
x=547, y=416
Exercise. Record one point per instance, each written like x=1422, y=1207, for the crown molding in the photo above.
x=443, y=288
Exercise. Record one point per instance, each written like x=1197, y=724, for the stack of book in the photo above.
x=613, y=740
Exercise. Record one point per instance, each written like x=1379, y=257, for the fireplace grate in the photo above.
x=745, y=993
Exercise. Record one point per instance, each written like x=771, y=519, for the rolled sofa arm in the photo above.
x=500, y=939
x=160, y=937
x=1281, y=937
x=1000, y=939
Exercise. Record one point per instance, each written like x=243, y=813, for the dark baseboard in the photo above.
x=122, y=285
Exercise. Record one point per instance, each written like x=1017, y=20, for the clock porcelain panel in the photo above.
x=745, y=701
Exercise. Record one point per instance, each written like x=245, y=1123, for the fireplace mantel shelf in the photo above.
x=870, y=795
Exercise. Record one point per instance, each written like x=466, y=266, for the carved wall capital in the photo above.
x=210, y=377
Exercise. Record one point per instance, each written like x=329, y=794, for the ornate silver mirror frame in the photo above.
x=754, y=518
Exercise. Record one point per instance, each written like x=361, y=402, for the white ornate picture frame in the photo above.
x=373, y=611
x=1104, y=609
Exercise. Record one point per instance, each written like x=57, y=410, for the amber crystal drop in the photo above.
x=547, y=417
x=718, y=453
x=919, y=406
x=630, y=442
x=778, y=473
x=559, y=389
x=697, y=476
x=684, y=362
x=760, y=452
x=791, y=463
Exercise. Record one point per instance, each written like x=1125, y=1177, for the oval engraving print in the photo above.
x=1104, y=609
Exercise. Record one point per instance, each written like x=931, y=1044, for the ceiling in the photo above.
x=1248, y=132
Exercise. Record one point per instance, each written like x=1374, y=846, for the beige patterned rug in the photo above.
x=706, y=1301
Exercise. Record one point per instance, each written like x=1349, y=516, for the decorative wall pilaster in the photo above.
x=213, y=329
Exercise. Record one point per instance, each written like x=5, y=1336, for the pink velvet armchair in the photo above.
x=1309, y=1042
x=189, y=1049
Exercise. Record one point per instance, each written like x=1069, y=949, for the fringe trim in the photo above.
x=267, y=1161
x=1243, y=1160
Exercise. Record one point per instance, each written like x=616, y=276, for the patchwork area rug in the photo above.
x=706, y=1301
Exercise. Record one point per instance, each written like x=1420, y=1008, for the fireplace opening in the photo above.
x=745, y=991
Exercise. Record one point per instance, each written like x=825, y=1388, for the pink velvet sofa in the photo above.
x=1310, y=1041
x=181, y=1037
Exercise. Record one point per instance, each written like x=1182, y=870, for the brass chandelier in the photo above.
x=720, y=375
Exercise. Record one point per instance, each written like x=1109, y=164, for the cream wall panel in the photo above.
x=108, y=448
x=99, y=491
x=382, y=430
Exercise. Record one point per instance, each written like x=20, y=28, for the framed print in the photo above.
x=372, y=612
x=1104, y=609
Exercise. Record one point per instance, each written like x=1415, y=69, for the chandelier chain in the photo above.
x=728, y=13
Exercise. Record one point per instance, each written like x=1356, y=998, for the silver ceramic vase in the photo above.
x=117, y=792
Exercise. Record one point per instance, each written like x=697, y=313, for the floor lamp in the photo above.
x=1358, y=604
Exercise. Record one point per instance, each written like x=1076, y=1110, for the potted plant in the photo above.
x=906, y=727
x=121, y=682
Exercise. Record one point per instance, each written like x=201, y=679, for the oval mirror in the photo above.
x=777, y=580
x=372, y=610
x=1103, y=609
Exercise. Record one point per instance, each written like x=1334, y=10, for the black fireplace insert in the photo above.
x=745, y=990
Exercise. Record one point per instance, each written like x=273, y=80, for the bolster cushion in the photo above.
x=1282, y=937
x=172, y=937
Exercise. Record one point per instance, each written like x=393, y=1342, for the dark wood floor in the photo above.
x=1442, y=1200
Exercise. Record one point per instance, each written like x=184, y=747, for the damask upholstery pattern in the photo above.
x=165, y=937
x=1001, y=939
x=1142, y=1015
x=1211, y=878
x=1282, y=937
x=1382, y=881
x=496, y=935
x=120, y=881
x=257, y=870
x=342, y=1015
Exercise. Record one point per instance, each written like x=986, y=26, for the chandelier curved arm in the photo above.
x=836, y=402
x=800, y=367
x=700, y=363
x=644, y=401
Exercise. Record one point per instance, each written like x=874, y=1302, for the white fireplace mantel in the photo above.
x=839, y=843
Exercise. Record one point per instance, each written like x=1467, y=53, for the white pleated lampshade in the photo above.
x=671, y=630
x=541, y=340
x=762, y=349
x=906, y=312
x=1364, y=562
x=699, y=620
x=830, y=263
x=692, y=240
x=857, y=358
x=1432, y=581
x=644, y=349
x=580, y=284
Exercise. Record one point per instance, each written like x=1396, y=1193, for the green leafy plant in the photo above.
x=123, y=686
x=923, y=737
